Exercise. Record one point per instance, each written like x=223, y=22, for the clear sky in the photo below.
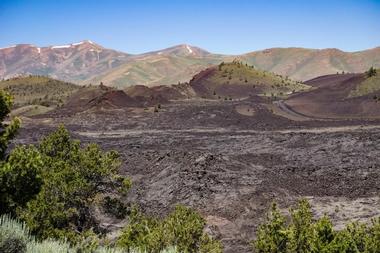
x=230, y=27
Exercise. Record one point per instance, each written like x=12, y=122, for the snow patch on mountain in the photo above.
x=189, y=49
x=62, y=46
x=8, y=47
x=83, y=42
x=73, y=44
x=77, y=44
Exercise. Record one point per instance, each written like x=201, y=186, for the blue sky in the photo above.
x=230, y=27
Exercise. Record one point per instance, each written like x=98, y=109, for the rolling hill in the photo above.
x=177, y=64
x=305, y=64
x=87, y=62
x=232, y=80
x=32, y=90
x=156, y=69
x=37, y=94
x=238, y=80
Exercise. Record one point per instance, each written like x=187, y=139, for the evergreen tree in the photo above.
x=7, y=131
x=371, y=72
x=8, y=182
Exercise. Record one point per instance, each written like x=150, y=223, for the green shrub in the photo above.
x=13, y=235
x=15, y=238
x=304, y=234
x=74, y=178
x=143, y=233
x=115, y=207
x=209, y=245
x=7, y=131
x=272, y=235
x=20, y=178
x=13, y=245
x=182, y=228
x=54, y=185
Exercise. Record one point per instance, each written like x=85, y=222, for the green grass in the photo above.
x=368, y=86
x=16, y=237
x=38, y=90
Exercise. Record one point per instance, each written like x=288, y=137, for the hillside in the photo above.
x=73, y=62
x=370, y=85
x=182, y=50
x=87, y=62
x=305, y=64
x=98, y=98
x=238, y=80
x=157, y=68
x=176, y=64
x=339, y=96
x=38, y=90
x=162, y=92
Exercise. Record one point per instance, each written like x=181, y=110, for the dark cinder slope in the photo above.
x=97, y=98
x=332, y=97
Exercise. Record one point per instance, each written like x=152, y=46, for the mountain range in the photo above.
x=86, y=62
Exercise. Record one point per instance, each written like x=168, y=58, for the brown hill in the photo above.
x=87, y=62
x=160, y=94
x=176, y=64
x=304, y=64
x=331, y=98
x=113, y=99
x=238, y=80
x=99, y=97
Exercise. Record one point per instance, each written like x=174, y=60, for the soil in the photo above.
x=230, y=165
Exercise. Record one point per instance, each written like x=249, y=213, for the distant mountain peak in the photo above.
x=189, y=49
x=87, y=43
x=87, y=62
x=74, y=61
x=182, y=50
x=13, y=46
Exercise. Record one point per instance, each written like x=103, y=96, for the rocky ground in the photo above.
x=230, y=159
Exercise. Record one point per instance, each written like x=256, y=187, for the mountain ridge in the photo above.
x=88, y=62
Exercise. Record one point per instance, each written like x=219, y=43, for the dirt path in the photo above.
x=289, y=113
x=133, y=132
